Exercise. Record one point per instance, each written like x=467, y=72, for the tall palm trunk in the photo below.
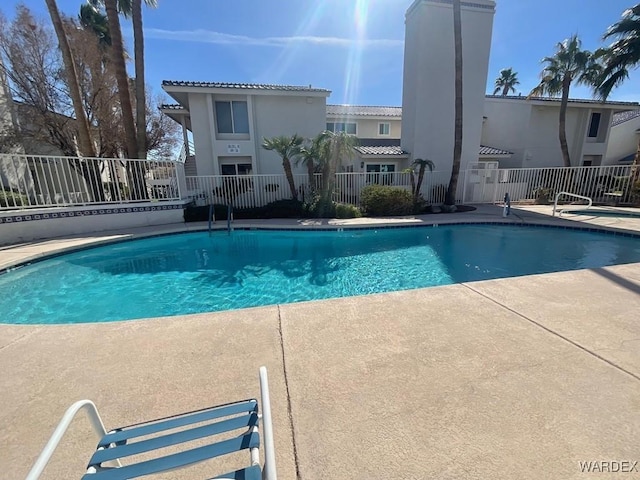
x=286, y=165
x=311, y=172
x=120, y=72
x=562, y=122
x=138, y=48
x=505, y=90
x=457, y=134
x=421, y=170
x=84, y=138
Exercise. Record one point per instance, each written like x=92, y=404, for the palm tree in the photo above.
x=138, y=53
x=84, y=137
x=506, y=82
x=569, y=64
x=288, y=148
x=91, y=19
x=621, y=56
x=310, y=154
x=422, y=165
x=450, y=198
x=335, y=147
x=122, y=79
x=133, y=9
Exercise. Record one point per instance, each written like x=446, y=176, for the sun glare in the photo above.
x=354, y=60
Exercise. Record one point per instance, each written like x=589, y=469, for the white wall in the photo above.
x=623, y=141
x=530, y=131
x=506, y=126
x=285, y=115
x=429, y=73
x=269, y=116
x=202, y=129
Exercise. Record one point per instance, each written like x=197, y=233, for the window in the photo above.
x=236, y=169
x=594, y=125
x=348, y=127
x=382, y=174
x=232, y=117
x=384, y=129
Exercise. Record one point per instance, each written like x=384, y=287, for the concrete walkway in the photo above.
x=512, y=378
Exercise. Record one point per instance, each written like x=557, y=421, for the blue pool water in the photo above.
x=195, y=272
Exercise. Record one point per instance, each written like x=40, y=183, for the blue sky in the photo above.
x=352, y=47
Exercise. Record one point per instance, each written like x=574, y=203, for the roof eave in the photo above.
x=495, y=155
x=246, y=91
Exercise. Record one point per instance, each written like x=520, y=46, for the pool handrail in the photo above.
x=229, y=218
x=212, y=217
x=569, y=194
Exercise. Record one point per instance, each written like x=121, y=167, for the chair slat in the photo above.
x=178, y=421
x=176, y=438
x=250, y=473
x=177, y=460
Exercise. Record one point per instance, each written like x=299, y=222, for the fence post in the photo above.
x=464, y=187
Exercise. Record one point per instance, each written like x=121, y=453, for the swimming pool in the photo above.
x=194, y=272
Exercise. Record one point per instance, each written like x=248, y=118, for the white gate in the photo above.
x=480, y=182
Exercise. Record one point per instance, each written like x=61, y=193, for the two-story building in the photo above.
x=529, y=129
x=229, y=121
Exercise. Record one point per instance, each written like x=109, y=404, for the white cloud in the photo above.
x=209, y=36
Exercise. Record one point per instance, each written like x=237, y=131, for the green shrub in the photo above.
x=277, y=209
x=283, y=209
x=378, y=200
x=344, y=210
x=319, y=207
x=12, y=199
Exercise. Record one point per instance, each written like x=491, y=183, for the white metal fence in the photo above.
x=607, y=184
x=32, y=181
x=246, y=191
x=433, y=189
x=29, y=181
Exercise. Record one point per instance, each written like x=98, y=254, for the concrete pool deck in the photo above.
x=513, y=378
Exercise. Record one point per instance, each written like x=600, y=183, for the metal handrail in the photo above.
x=212, y=217
x=229, y=218
x=568, y=194
x=61, y=429
x=269, y=450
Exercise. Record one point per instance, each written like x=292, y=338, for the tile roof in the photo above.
x=363, y=111
x=379, y=142
x=557, y=99
x=243, y=86
x=622, y=117
x=484, y=150
x=382, y=150
x=171, y=106
x=397, y=150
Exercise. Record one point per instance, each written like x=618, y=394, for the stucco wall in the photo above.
x=285, y=115
x=623, y=141
x=202, y=128
x=269, y=116
x=506, y=126
x=530, y=131
x=428, y=88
